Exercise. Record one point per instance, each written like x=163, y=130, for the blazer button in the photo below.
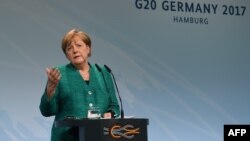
x=90, y=92
x=90, y=104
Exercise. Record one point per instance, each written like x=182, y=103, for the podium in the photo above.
x=108, y=129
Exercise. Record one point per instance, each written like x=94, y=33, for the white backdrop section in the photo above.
x=189, y=79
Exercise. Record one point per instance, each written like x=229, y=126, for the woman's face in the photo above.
x=77, y=52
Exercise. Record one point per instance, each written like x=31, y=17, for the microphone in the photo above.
x=120, y=99
x=100, y=70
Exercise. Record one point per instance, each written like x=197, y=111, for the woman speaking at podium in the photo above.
x=75, y=88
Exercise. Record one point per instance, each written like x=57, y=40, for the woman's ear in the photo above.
x=90, y=50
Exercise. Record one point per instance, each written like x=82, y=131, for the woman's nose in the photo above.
x=74, y=49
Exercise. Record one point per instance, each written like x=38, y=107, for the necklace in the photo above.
x=85, y=74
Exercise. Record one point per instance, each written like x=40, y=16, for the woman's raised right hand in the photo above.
x=54, y=77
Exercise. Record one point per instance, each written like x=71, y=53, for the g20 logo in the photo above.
x=145, y=4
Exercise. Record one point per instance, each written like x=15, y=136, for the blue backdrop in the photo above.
x=183, y=64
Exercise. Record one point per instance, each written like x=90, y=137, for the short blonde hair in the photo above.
x=67, y=39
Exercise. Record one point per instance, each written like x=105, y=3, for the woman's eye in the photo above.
x=69, y=48
x=78, y=45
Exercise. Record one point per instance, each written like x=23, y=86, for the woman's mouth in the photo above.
x=75, y=57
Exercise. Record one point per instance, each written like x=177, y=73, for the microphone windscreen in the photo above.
x=107, y=68
x=97, y=66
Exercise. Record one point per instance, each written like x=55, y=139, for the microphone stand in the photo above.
x=109, y=70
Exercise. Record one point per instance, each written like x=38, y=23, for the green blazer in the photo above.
x=74, y=97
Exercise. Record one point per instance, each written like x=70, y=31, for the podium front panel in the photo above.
x=109, y=129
